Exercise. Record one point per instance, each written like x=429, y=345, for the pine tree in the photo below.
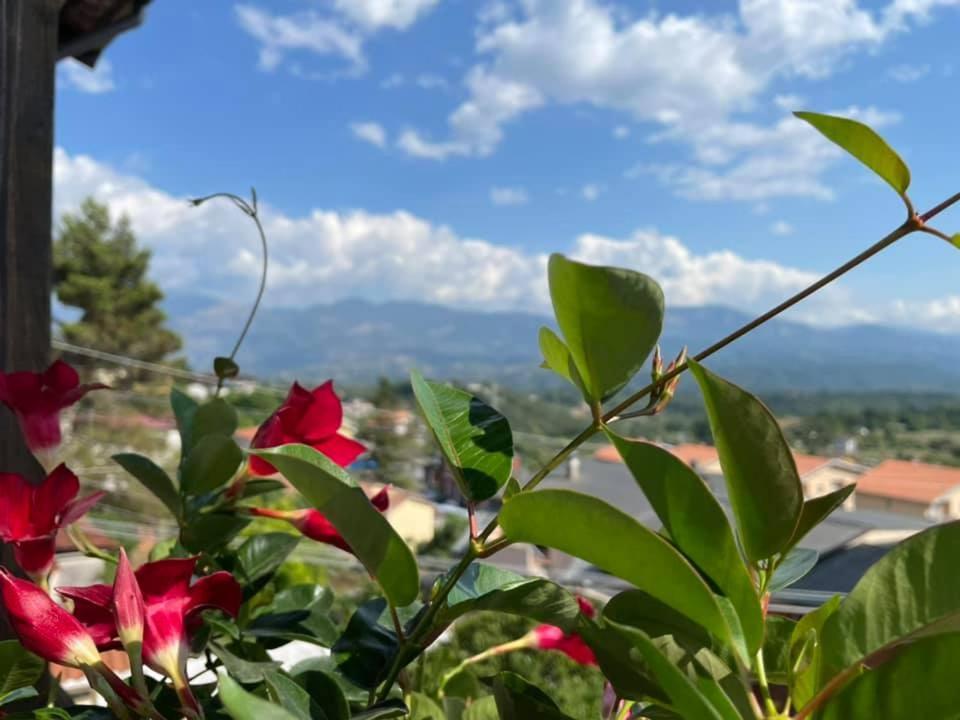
x=99, y=269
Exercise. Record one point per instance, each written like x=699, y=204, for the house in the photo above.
x=911, y=488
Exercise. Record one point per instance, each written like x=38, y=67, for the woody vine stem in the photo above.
x=479, y=548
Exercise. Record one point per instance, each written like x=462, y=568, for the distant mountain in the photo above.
x=357, y=341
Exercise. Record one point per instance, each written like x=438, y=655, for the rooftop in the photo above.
x=909, y=481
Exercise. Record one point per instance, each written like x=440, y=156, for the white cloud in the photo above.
x=394, y=80
x=370, y=132
x=76, y=75
x=306, y=31
x=591, y=191
x=327, y=255
x=781, y=227
x=908, y=73
x=429, y=81
x=621, y=132
x=376, y=14
x=509, y=196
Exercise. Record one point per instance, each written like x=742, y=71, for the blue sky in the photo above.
x=438, y=149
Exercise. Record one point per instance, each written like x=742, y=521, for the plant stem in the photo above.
x=768, y=703
x=523, y=643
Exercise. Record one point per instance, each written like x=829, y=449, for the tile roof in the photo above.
x=806, y=464
x=910, y=481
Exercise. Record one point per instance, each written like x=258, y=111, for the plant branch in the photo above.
x=829, y=690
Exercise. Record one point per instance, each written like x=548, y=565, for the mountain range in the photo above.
x=357, y=341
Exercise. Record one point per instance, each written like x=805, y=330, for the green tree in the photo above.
x=99, y=269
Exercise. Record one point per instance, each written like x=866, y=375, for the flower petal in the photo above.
x=166, y=579
x=15, y=495
x=35, y=555
x=51, y=497
x=324, y=414
x=218, y=591
x=60, y=377
x=341, y=449
x=77, y=509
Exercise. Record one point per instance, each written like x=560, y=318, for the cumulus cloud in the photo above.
x=591, y=191
x=509, y=196
x=95, y=81
x=327, y=255
x=377, y=14
x=369, y=132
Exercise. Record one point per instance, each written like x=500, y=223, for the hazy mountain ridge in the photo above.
x=357, y=341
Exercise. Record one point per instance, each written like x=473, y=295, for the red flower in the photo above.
x=314, y=524
x=550, y=637
x=31, y=515
x=171, y=607
x=37, y=399
x=310, y=417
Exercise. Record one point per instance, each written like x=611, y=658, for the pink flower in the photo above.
x=550, y=637
x=171, y=607
x=31, y=516
x=311, y=417
x=314, y=524
x=37, y=399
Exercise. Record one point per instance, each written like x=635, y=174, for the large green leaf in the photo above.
x=153, y=478
x=242, y=668
x=818, y=509
x=518, y=699
x=865, y=145
x=920, y=683
x=589, y=528
x=423, y=708
x=557, y=357
x=301, y=612
x=260, y=556
x=797, y=563
x=326, y=688
x=286, y=692
x=913, y=590
x=241, y=705
x=211, y=463
x=758, y=466
x=367, y=645
x=214, y=417
x=696, y=523
x=610, y=319
x=776, y=649
x=485, y=587
x=209, y=532
x=806, y=652
x=334, y=493
x=474, y=437
x=18, y=667
x=184, y=409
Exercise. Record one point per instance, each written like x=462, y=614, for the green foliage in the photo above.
x=99, y=269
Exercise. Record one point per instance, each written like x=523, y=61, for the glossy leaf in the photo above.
x=19, y=668
x=865, y=145
x=955, y=239
x=806, y=652
x=211, y=463
x=260, y=556
x=241, y=705
x=225, y=368
x=423, y=708
x=818, y=509
x=153, y=478
x=485, y=587
x=285, y=692
x=240, y=668
x=909, y=592
x=214, y=417
x=367, y=645
x=776, y=648
x=920, y=682
x=334, y=493
x=384, y=711
x=184, y=408
x=557, y=357
x=326, y=688
x=697, y=524
x=518, y=699
x=301, y=612
x=21, y=693
x=210, y=532
x=758, y=466
x=590, y=529
x=474, y=437
x=792, y=568
x=610, y=319
x=484, y=708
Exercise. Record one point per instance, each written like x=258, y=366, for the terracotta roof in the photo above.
x=910, y=481
x=806, y=464
x=699, y=454
x=608, y=453
x=694, y=453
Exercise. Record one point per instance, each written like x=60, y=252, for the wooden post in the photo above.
x=28, y=55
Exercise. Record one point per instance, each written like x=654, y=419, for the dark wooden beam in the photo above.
x=28, y=56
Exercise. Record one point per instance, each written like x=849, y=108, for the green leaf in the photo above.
x=210, y=532
x=865, y=145
x=806, y=652
x=511, y=488
x=244, y=670
x=260, y=556
x=301, y=612
x=214, y=417
x=792, y=568
x=18, y=667
x=184, y=408
x=334, y=493
x=485, y=587
x=384, y=711
x=153, y=478
x=326, y=689
x=475, y=439
x=684, y=693
x=920, y=682
x=518, y=699
x=211, y=463
x=818, y=509
x=697, y=524
x=590, y=529
x=955, y=240
x=367, y=645
x=610, y=319
x=22, y=693
x=758, y=466
x=241, y=705
x=484, y=708
x=557, y=357
x=776, y=649
x=911, y=591
x=285, y=692
x=260, y=486
x=423, y=708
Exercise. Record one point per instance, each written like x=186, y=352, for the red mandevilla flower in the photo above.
x=550, y=637
x=314, y=524
x=171, y=611
x=31, y=516
x=37, y=399
x=312, y=417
